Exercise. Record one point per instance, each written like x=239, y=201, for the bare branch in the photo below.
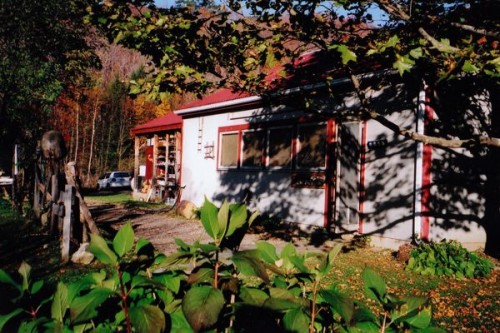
x=393, y=9
x=475, y=30
x=426, y=139
x=438, y=45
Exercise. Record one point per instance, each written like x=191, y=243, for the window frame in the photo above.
x=219, y=155
x=295, y=145
x=297, y=166
x=268, y=147
x=241, y=150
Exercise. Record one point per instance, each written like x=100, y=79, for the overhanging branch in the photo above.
x=475, y=30
x=425, y=139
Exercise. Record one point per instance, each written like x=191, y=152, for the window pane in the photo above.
x=312, y=146
x=253, y=148
x=280, y=147
x=229, y=150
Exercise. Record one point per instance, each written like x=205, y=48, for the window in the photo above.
x=280, y=147
x=300, y=147
x=253, y=149
x=311, y=152
x=229, y=150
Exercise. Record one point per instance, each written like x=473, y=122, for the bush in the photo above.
x=448, y=258
x=199, y=289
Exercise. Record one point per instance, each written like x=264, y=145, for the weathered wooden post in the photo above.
x=85, y=215
x=54, y=215
x=67, y=228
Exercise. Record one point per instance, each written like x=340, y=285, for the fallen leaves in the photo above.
x=470, y=305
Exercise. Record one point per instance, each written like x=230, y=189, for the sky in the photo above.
x=165, y=3
x=378, y=17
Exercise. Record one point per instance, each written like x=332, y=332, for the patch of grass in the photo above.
x=109, y=198
x=121, y=198
x=7, y=214
x=470, y=305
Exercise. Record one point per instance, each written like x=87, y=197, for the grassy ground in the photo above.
x=458, y=305
x=119, y=198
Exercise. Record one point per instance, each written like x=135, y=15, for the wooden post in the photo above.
x=54, y=211
x=155, y=159
x=68, y=198
x=85, y=215
x=136, y=164
x=37, y=197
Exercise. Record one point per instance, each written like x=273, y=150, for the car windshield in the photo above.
x=122, y=174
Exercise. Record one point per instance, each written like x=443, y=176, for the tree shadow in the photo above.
x=463, y=182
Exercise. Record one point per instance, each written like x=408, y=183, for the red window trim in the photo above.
x=294, y=124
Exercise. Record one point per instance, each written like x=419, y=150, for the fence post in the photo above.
x=69, y=195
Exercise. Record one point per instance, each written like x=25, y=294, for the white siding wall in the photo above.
x=269, y=190
x=389, y=181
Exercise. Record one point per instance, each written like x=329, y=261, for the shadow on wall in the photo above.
x=466, y=182
x=465, y=186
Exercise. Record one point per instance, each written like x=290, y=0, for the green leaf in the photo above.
x=5, y=318
x=469, y=67
x=7, y=279
x=328, y=260
x=209, y=218
x=202, y=306
x=346, y=54
x=60, y=303
x=25, y=270
x=223, y=219
x=253, y=217
x=365, y=327
x=280, y=304
x=36, y=286
x=392, y=42
x=238, y=218
x=124, y=240
x=415, y=302
x=403, y=64
x=374, y=285
x=101, y=250
x=288, y=250
x=299, y=263
x=342, y=304
x=422, y=319
x=363, y=314
x=249, y=263
x=296, y=320
x=416, y=53
x=201, y=274
x=179, y=323
x=253, y=296
x=147, y=318
x=85, y=307
x=267, y=252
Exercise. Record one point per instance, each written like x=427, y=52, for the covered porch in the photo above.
x=157, y=159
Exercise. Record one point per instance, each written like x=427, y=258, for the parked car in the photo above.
x=114, y=180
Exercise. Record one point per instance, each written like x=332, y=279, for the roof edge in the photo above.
x=156, y=129
x=260, y=98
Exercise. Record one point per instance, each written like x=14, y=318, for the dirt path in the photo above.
x=163, y=228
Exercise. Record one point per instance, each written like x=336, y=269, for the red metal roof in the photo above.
x=168, y=122
x=219, y=96
x=274, y=80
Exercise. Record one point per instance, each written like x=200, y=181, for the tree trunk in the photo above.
x=92, y=136
x=492, y=206
x=77, y=127
x=492, y=191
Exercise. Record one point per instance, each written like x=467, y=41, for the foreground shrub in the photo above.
x=206, y=287
x=448, y=258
